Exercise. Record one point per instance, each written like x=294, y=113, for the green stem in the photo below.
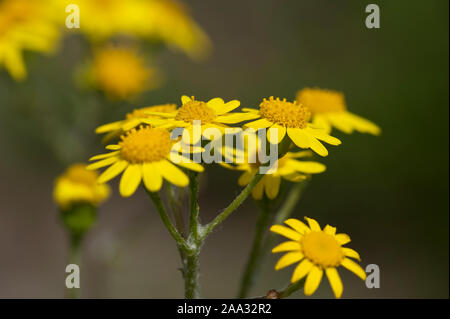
x=253, y=263
x=176, y=209
x=166, y=220
x=191, y=283
x=75, y=258
x=289, y=290
x=194, y=209
x=231, y=208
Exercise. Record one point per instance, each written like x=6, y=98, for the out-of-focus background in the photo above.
x=390, y=193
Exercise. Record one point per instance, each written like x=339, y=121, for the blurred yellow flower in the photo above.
x=163, y=20
x=133, y=119
x=170, y=21
x=78, y=185
x=212, y=114
x=121, y=73
x=293, y=119
x=147, y=154
x=288, y=167
x=329, y=110
x=25, y=25
x=317, y=251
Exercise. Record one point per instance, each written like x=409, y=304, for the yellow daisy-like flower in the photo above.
x=147, y=154
x=25, y=25
x=78, y=185
x=121, y=73
x=281, y=117
x=171, y=22
x=211, y=114
x=288, y=167
x=103, y=19
x=317, y=251
x=133, y=119
x=329, y=110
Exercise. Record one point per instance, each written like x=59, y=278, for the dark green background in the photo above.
x=390, y=193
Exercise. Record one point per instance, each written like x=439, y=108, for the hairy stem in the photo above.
x=166, y=220
x=232, y=207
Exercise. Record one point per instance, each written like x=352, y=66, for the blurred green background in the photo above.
x=389, y=193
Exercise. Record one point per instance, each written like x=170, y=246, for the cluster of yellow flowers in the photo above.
x=144, y=152
x=37, y=25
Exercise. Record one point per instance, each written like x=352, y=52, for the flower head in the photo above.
x=289, y=167
x=121, y=73
x=25, y=25
x=211, y=114
x=316, y=251
x=144, y=154
x=282, y=116
x=78, y=185
x=328, y=109
x=133, y=119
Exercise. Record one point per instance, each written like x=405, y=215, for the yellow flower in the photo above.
x=317, y=251
x=329, y=110
x=164, y=20
x=145, y=153
x=103, y=19
x=212, y=114
x=288, y=167
x=121, y=73
x=133, y=119
x=171, y=22
x=290, y=118
x=25, y=25
x=78, y=185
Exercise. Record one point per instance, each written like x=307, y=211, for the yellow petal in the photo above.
x=330, y=230
x=233, y=118
x=185, y=99
x=307, y=166
x=299, y=137
x=186, y=162
x=350, y=253
x=258, y=190
x=313, y=280
x=322, y=122
x=102, y=156
x=287, y=246
x=113, y=147
x=342, y=238
x=112, y=171
x=354, y=267
x=246, y=177
x=272, y=186
x=103, y=163
x=130, y=180
x=216, y=104
x=14, y=63
x=228, y=107
x=259, y=124
x=301, y=270
x=278, y=133
x=335, y=281
x=313, y=224
x=128, y=125
x=317, y=147
x=288, y=259
x=297, y=225
x=109, y=127
x=286, y=232
x=152, y=177
x=172, y=173
x=362, y=125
